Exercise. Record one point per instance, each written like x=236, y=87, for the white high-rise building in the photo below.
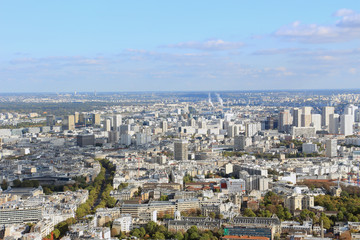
x=117, y=120
x=107, y=125
x=316, y=121
x=325, y=115
x=306, y=116
x=334, y=124
x=164, y=126
x=346, y=124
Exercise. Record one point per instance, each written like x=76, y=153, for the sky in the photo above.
x=111, y=46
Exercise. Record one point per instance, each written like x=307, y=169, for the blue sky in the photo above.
x=85, y=45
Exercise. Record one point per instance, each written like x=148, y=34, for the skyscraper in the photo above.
x=284, y=121
x=117, y=120
x=297, y=117
x=334, y=124
x=181, y=150
x=331, y=148
x=69, y=122
x=306, y=117
x=50, y=120
x=325, y=116
x=95, y=119
x=346, y=124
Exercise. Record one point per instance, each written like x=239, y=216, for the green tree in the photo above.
x=158, y=235
x=179, y=236
x=56, y=233
x=249, y=213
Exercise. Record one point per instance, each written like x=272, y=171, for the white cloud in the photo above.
x=211, y=45
x=345, y=29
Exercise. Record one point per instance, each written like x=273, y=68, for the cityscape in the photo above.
x=179, y=120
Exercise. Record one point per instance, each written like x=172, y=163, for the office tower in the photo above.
x=325, y=116
x=331, y=148
x=50, y=120
x=357, y=115
x=181, y=150
x=113, y=136
x=107, y=125
x=125, y=129
x=350, y=110
x=85, y=140
x=231, y=131
x=239, y=143
x=334, y=124
x=82, y=118
x=76, y=117
x=125, y=139
x=284, y=121
x=316, y=121
x=346, y=124
x=164, y=126
x=297, y=117
x=95, y=119
x=306, y=117
x=69, y=122
x=117, y=120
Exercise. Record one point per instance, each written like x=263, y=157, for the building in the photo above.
x=325, y=116
x=181, y=150
x=334, y=124
x=69, y=122
x=50, y=120
x=95, y=119
x=306, y=116
x=122, y=224
x=346, y=124
x=297, y=117
x=241, y=142
x=20, y=215
x=309, y=148
x=86, y=140
x=299, y=202
x=331, y=148
x=233, y=185
x=285, y=121
x=117, y=120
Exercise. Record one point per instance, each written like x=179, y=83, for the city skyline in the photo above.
x=187, y=46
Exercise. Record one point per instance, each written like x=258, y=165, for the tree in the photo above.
x=151, y=227
x=212, y=215
x=158, y=235
x=142, y=232
x=4, y=185
x=179, y=236
x=249, y=213
x=56, y=233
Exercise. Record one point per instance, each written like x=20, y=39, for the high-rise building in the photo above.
x=76, y=117
x=334, y=123
x=107, y=125
x=181, y=150
x=164, y=126
x=117, y=120
x=82, y=118
x=285, y=121
x=306, y=117
x=50, y=120
x=331, y=148
x=297, y=117
x=325, y=116
x=346, y=124
x=95, y=119
x=69, y=122
x=316, y=121
x=240, y=142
